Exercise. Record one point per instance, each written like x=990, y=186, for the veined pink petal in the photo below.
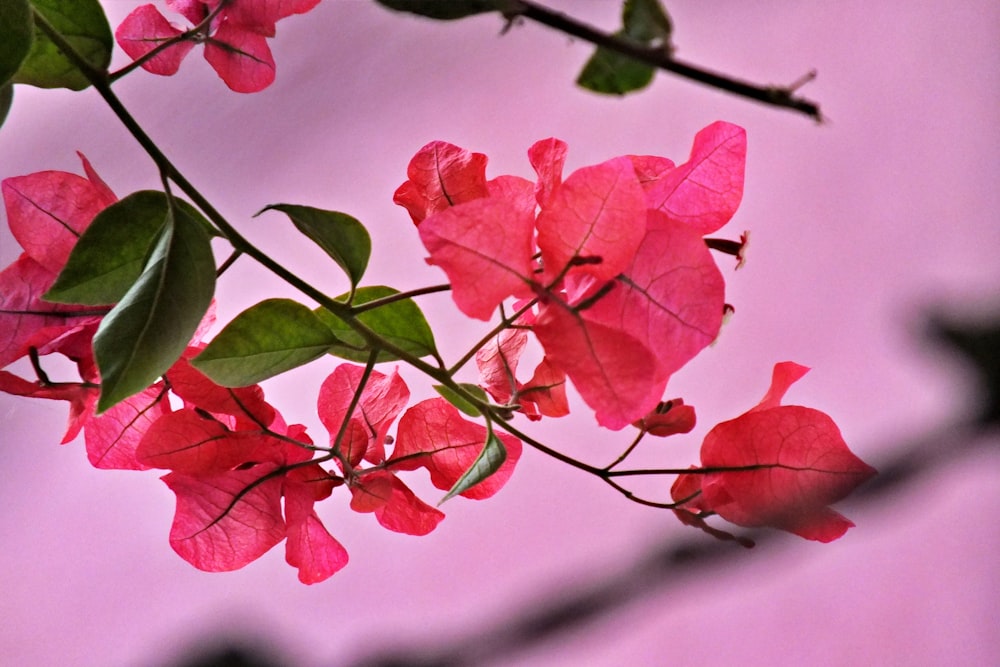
x=798, y=465
x=48, y=210
x=705, y=191
x=616, y=374
x=188, y=442
x=261, y=15
x=545, y=392
x=805, y=466
x=497, y=363
x=383, y=398
x=309, y=547
x=441, y=175
x=246, y=404
x=649, y=169
x=547, y=157
x=225, y=521
x=145, y=29
x=113, y=437
x=25, y=319
x=671, y=297
x=598, y=212
x=394, y=504
x=434, y=435
x=240, y=57
x=485, y=247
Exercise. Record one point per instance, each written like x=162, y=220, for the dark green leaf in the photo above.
x=400, y=322
x=342, y=237
x=110, y=255
x=83, y=24
x=612, y=73
x=488, y=462
x=6, y=98
x=152, y=324
x=468, y=408
x=269, y=338
x=446, y=10
x=16, y=31
x=646, y=21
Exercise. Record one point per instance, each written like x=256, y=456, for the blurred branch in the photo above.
x=662, y=58
x=561, y=612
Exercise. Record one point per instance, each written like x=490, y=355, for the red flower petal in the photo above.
x=113, y=437
x=228, y=520
x=240, y=57
x=598, y=212
x=383, y=398
x=705, y=191
x=145, y=29
x=441, y=175
x=394, y=505
x=616, y=374
x=547, y=157
x=485, y=247
x=432, y=434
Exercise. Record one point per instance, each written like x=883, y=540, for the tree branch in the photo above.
x=783, y=97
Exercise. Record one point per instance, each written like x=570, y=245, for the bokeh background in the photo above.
x=860, y=227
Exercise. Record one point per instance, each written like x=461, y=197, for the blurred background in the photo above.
x=862, y=228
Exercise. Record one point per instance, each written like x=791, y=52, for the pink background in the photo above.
x=858, y=226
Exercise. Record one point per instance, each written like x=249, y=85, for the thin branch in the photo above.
x=778, y=96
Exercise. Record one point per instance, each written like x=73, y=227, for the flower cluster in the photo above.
x=244, y=479
x=235, y=35
x=612, y=256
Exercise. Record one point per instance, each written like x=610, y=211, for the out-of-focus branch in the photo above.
x=561, y=612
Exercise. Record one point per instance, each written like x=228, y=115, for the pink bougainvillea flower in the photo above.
x=441, y=175
x=597, y=213
x=383, y=399
x=235, y=41
x=433, y=434
x=376, y=490
x=705, y=191
x=668, y=418
x=627, y=290
x=48, y=210
x=796, y=461
x=113, y=437
x=230, y=475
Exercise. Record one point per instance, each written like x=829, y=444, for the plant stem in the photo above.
x=660, y=58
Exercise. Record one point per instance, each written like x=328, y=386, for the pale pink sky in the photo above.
x=857, y=225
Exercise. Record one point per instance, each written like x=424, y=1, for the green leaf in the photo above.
x=446, y=10
x=611, y=73
x=401, y=322
x=16, y=30
x=646, y=21
x=152, y=324
x=6, y=98
x=272, y=337
x=110, y=255
x=488, y=462
x=468, y=408
x=342, y=237
x=83, y=24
